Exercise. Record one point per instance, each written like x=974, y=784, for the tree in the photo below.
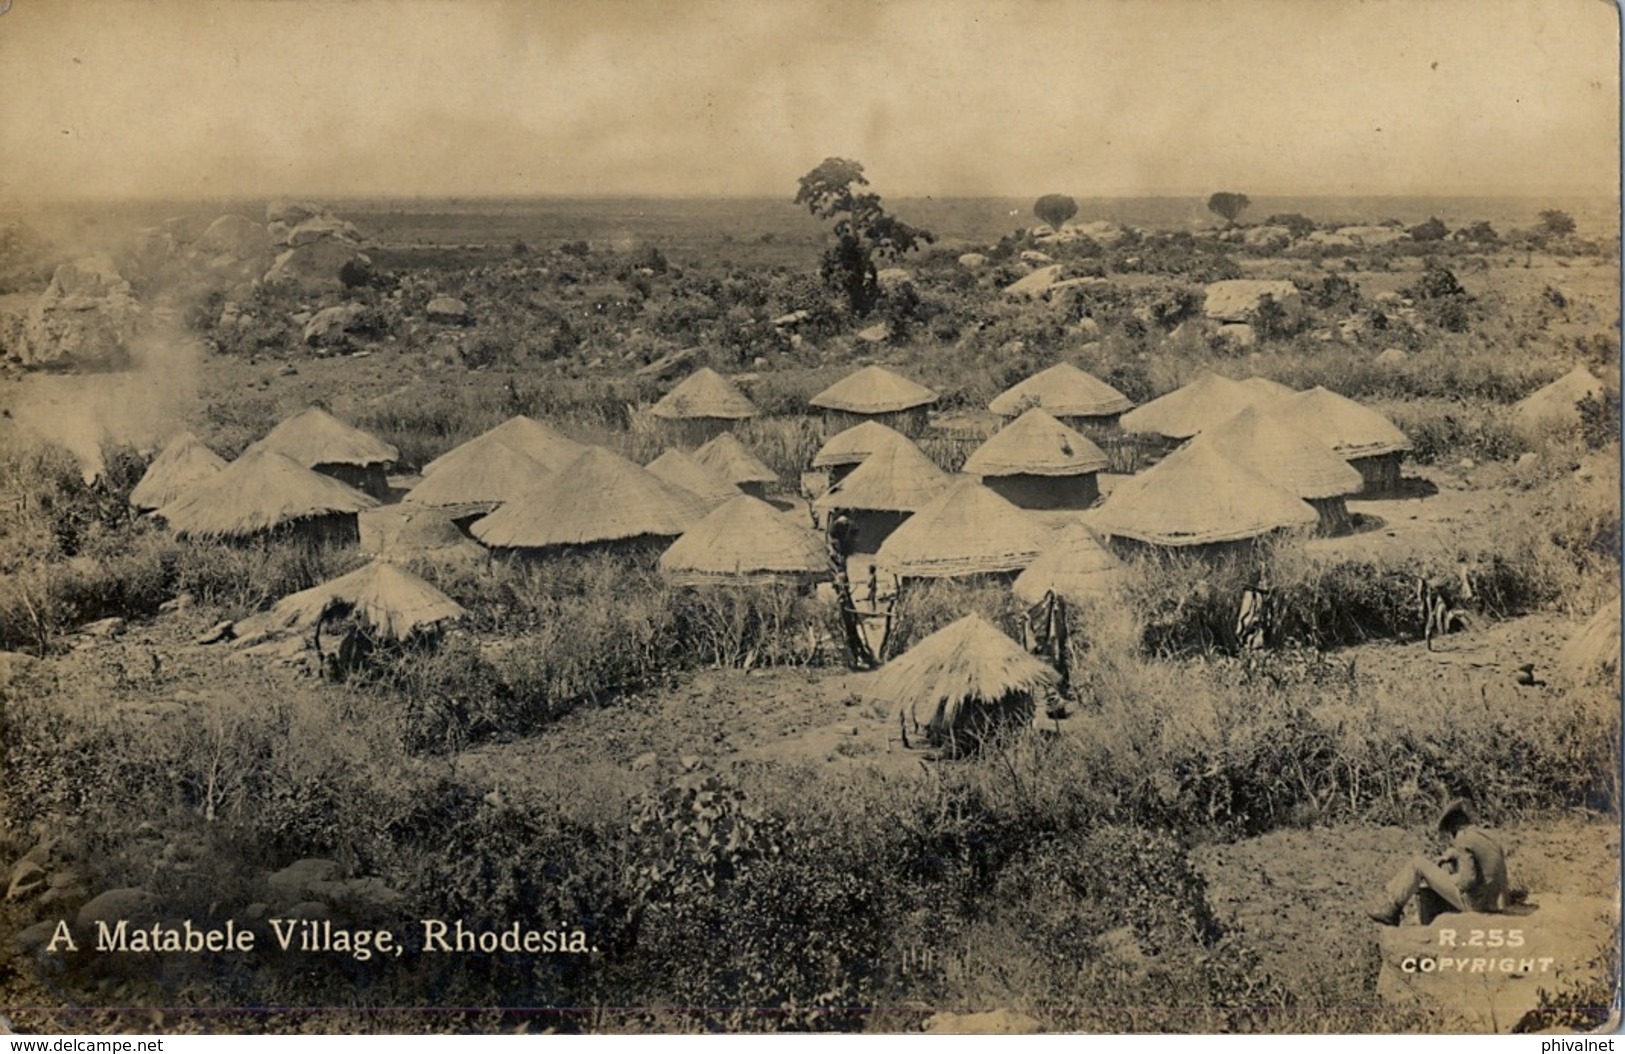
x=1556, y=222
x=1055, y=209
x=1433, y=230
x=1228, y=205
x=864, y=231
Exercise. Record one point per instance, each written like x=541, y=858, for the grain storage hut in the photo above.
x=183, y=462
x=1036, y=462
x=746, y=542
x=727, y=457
x=391, y=602
x=703, y=406
x=966, y=530
x=847, y=449
x=875, y=393
x=1292, y=459
x=475, y=479
x=538, y=441
x=1359, y=435
x=321, y=442
x=264, y=494
x=1184, y=412
x=1557, y=405
x=680, y=469
x=883, y=492
x=1070, y=395
x=1073, y=566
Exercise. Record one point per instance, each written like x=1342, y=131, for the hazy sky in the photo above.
x=946, y=97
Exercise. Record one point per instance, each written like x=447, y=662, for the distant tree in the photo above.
x=1441, y=299
x=1297, y=223
x=864, y=231
x=1055, y=209
x=1556, y=223
x=1228, y=205
x=1432, y=231
x=1480, y=233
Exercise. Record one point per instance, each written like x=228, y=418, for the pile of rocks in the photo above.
x=85, y=319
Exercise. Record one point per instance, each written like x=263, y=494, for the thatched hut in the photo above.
x=875, y=393
x=477, y=478
x=883, y=492
x=746, y=542
x=847, y=449
x=1072, y=396
x=599, y=500
x=1357, y=434
x=183, y=462
x=1557, y=405
x=966, y=530
x=962, y=684
x=1184, y=412
x=727, y=457
x=1592, y=655
x=404, y=533
x=321, y=442
x=1073, y=566
x=1197, y=497
x=1292, y=459
x=389, y=601
x=264, y=493
x=704, y=405
x=541, y=442
x=1036, y=462
x=680, y=469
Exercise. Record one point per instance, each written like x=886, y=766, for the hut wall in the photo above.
x=1216, y=552
x=1381, y=473
x=910, y=422
x=339, y=528
x=1103, y=425
x=870, y=528
x=755, y=489
x=1334, y=516
x=840, y=472
x=369, y=479
x=1046, y=492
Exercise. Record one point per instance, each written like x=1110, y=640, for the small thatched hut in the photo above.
x=1557, y=405
x=1357, y=434
x=846, y=450
x=598, y=500
x=1592, y=655
x=966, y=530
x=1036, y=462
x=1292, y=459
x=1073, y=566
x=703, y=406
x=1198, y=497
x=1184, y=412
x=875, y=393
x=746, y=542
x=404, y=533
x=962, y=684
x=183, y=462
x=883, y=492
x=321, y=442
x=543, y=443
x=727, y=457
x=476, y=478
x=680, y=469
x=264, y=493
x=1072, y=396
x=389, y=602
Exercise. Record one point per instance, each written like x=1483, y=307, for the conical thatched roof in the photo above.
x=542, y=442
x=874, y=390
x=1351, y=430
x=963, y=664
x=852, y=445
x=429, y=534
x=1557, y=403
x=478, y=477
x=599, y=497
x=1064, y=391
x=1184, y=412
x=183, y=462
x=746, y=538
x=897, y=478
x=727, y=457
x=388, y=599
x=1268, y=388
x=704, y=393
x=965, y=530
x=1593, y=653
x=1035, y=444
x=259, y=491
x=1282, y=453
x=315, y=437
x=682, y=470
x=1197, y=496
x=1074, y=566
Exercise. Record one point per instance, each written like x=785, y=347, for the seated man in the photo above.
x=1470, y=876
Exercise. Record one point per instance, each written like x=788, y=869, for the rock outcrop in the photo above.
x=84, y=319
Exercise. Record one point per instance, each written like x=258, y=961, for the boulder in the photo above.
x=1392, y=357
x=894, y=277
x=1237, y=300
x=322, y=228
x=447, y=309
x=1036, y=284
x=91, y=276
x=84, y=318
x=318, y=263
x=1239, y=333
x=1037, y=259
x=299, y=880
x=1267, y=237
x=292, y=213
x=132, y=904
x=1103, y=232
x=233, y=235
x=331, y=327
x=360, y=899
x=973, y=261
x=875, y=334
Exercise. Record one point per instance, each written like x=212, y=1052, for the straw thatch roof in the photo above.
x=1074, y=566
x=727, y=457
x=315, y=437
x=478, y=477
x=1282, y=453
x=1035, y=444
x=852, y=445
x=1593, y=653
x=417, y=533
x=599, y=497
x=259, y=491
x=1558, y=402
x=1197, y=496
x=746, y=538
x=386, y=598
x=183, y=462
x=681, y=470
x=1184, y=412
x=898, y=478
x=960, y=666
x=1064, y=391
x=542, y=442
x=874, y=390
x=1351, y=430
x=1268, y=388
x=965, y=530
x=704, y=393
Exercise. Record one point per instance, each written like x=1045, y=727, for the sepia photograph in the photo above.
x=836, y=516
